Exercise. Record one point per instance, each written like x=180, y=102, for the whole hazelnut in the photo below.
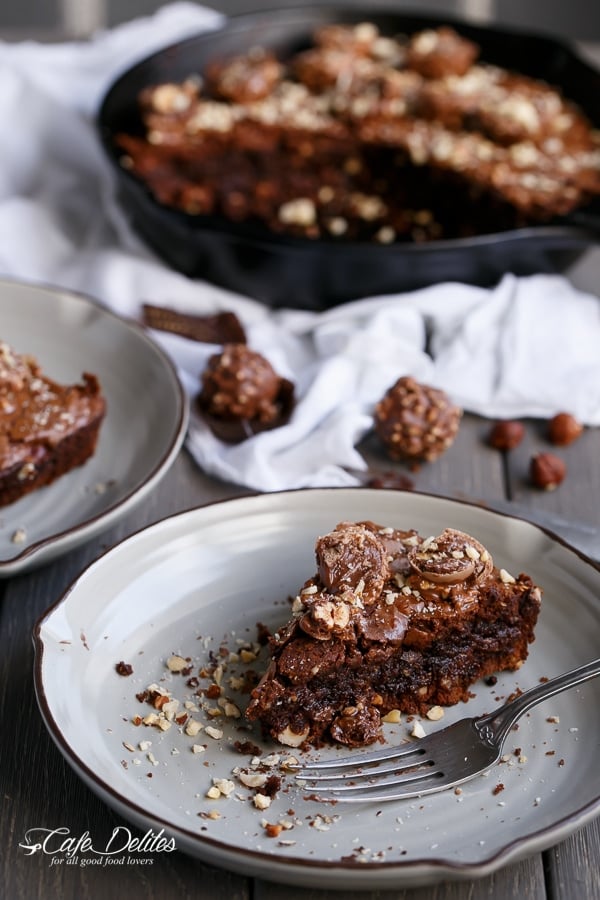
x=563, y=429
x=547, y=471
x=506, y=435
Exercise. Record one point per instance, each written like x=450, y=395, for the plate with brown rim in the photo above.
x=195, y=586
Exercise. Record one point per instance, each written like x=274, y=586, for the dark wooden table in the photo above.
x=38, y=788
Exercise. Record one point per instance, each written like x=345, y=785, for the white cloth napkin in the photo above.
x=530, y=347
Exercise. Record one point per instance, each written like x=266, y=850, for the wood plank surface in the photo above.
x=572, y=867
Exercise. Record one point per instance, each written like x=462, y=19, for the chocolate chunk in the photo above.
x=384, y=624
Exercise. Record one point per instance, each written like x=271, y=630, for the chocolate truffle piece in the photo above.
x=242, y=394
x=416, y=422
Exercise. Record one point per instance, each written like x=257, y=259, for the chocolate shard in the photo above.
x=219, y=328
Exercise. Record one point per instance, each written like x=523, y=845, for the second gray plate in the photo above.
x=143, y=430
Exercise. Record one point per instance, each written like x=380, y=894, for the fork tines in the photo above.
x=411, y=767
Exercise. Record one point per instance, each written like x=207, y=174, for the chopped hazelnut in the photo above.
x=215, y=733
x=213, y=793
x=224, y=785
x=291, y=738
x=417, y=730
x=261, y=801
x=253, y=779
x=193, y=727
x=19, y=536
x=176, y=663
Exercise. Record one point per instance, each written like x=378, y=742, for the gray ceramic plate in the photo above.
x=140, y=436
x=201, y=580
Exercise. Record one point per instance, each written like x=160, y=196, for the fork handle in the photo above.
x=494, y=727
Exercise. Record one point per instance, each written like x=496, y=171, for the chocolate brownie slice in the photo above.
x=46, y=429
x=390, y=621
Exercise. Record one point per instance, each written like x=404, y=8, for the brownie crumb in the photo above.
x=247, y=748
x=263, y=634
x=271, y=786
x=123, y=668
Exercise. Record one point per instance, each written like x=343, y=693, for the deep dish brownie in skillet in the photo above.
x=390, y=621
x=366, y=137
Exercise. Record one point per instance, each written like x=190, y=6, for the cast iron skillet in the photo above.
x=302, y=273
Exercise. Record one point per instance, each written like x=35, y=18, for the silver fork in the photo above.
x=435, y=763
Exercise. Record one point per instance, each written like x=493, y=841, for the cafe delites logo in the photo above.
x=121, y=849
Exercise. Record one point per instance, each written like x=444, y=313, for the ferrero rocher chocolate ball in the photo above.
x=416, y=422
x=242, y=394
x=239, y=383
